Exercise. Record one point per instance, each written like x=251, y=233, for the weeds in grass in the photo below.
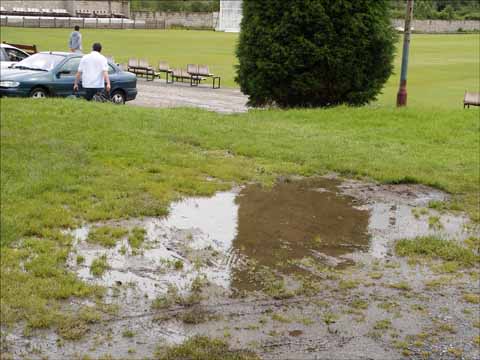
x=137, y=237
x=280, y=318
x=401, y=345
x=89, y=314
x=128, y=333
x=308, y=286
x=273, y=286
x=418, y=212
x=473, y=243
x=178, y=265
x=194, y=316
x=435, y=223
x=203, y=348
x=438, y=282
x=123, y=250
x=447, y=267
x=164, y=301
x=446, y=327
x=401, y=285
x=383, y=325
x=472, y=298
x=106, y=236
x=359, y=304
x=317, y=240
x=330, y=318
x=99, y=266
x=80, y=259
x=434, y=247
x=348, y=284
x=376, y=275
x=389, y=306
x=71, y=328
x=418, y=307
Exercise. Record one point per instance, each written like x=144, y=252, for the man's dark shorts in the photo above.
x=90, y=92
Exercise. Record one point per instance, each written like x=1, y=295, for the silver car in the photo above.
x=10, y=55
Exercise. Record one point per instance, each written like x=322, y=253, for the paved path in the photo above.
x=160, y=94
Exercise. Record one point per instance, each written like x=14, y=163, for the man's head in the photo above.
x=97, y=47
x=77, y=28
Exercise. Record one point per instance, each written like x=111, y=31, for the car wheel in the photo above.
x=118, y=97
x=38, y=93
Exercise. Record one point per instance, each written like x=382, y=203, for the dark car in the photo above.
x=53, y=74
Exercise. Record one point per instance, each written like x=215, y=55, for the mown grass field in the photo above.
x=441, y=67
x=67, y=162
x=64, y=162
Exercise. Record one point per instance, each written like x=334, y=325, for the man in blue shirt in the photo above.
x=75, y=41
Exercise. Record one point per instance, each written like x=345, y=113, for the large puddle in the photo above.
x=320, y=220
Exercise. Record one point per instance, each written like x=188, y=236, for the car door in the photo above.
x=113, y=76
x=64, y=77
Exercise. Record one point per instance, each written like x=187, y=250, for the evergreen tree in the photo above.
x=314, y=52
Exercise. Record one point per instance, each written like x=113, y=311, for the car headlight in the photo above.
x=9, y=84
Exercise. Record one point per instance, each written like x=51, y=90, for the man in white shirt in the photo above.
x=93, y=70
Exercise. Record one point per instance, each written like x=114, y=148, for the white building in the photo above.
x=230, y=15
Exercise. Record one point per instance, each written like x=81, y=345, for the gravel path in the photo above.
x=160, y=94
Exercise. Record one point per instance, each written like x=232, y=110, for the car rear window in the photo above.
x=41, y=61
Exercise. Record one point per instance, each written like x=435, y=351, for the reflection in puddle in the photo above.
x=273, y=227
x=296, y=220
x=295, y=333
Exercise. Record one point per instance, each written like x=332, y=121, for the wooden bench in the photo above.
x=164, y=68
x=141, y=68
x=181, y=74
x=29, y=49
x=471, y=98
x=202, y=72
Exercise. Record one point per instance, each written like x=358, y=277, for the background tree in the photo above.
x=439, y=9
x=175, y=5
x=314, y=52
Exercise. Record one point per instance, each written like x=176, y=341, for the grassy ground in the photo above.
x=441, y=68
x=65, y=162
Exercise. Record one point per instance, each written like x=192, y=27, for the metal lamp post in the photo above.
x=402, y=91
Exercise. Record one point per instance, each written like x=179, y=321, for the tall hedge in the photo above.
x=314, y=52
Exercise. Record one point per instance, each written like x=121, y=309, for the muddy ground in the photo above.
x=304, y=270
x=160, y=94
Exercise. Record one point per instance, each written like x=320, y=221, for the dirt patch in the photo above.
x=303, y=270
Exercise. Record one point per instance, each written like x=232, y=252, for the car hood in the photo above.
x=21, y=75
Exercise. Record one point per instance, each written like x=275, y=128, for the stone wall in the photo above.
x=168, y=20
x=440, y=26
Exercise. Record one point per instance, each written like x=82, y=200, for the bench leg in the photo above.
x=216, y=78
x=194, y=81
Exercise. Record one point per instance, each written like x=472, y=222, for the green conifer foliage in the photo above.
x=314, y=52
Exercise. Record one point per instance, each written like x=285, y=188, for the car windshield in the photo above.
x=40, y=61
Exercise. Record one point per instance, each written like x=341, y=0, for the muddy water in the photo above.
x=222, y=236
x=294, y=221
